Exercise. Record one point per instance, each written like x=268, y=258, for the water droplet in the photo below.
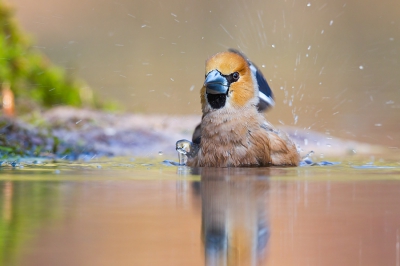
x=310, y=153
x=183, y=147
x=309, y=47
x=182, y=158
x=330, y=23
x=273, y=46
x=361, y=67
x=160, y=153
x=262, y=65
x=308, y=4
x=378, y=125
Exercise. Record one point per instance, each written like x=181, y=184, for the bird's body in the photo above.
x=233, y=132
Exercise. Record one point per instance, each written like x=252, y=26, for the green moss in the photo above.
x=30, y=74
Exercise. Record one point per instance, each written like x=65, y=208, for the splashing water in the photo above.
x=182, y=147
x=307, y=161
x=182, y=157
x=186, y=149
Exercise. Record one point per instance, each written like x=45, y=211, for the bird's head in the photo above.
x=229, y=83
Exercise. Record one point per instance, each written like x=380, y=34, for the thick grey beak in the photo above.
x=216, y=83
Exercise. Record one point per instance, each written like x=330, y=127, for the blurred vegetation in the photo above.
x=31, y=77
x=35, y=84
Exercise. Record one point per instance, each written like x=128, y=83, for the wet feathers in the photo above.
x=233, y=132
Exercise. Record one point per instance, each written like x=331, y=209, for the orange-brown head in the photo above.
x=229, y=83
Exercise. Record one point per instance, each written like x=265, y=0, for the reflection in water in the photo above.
x=25, y=207
x=7, y=196
x=317, y=215
x=235, y=226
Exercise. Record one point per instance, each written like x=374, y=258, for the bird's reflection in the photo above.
x=235, y=228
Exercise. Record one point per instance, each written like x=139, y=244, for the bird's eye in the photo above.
x=235, y=76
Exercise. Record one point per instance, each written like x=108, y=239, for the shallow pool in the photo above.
x=143, y=212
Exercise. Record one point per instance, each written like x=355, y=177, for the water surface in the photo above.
x=142, y=212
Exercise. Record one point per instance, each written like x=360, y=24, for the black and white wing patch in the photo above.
x=264, y=91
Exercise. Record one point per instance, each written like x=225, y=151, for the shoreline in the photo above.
x=66, y=132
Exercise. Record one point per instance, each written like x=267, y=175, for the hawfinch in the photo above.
x=233, y=133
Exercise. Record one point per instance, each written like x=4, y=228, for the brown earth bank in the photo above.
x=70, y=133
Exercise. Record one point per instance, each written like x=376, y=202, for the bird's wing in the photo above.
x=264, y=91
x=268, y=127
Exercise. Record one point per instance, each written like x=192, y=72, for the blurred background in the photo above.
x=333, y=65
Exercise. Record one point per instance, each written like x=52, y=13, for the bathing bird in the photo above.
x=233, y=133
x=265, y=95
